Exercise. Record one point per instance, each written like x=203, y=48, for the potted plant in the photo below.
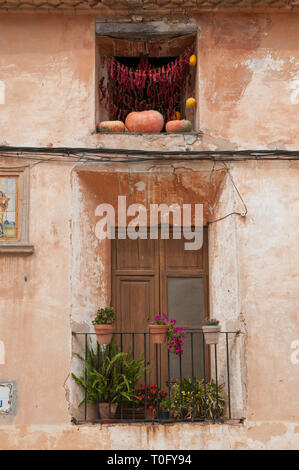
x=113, y=379
x=162, y=330
x=150, y=397
x=211, y=331
x=158, y=329
x=104, y=324
x=192, y=398
x=116, y=378
x=164, y=409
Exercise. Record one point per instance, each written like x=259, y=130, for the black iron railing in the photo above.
x=195, y=386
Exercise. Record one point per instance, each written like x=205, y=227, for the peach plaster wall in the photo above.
x=49, y=77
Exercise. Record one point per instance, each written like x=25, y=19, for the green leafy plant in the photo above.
x=114, y=376
x=212, y=322
x=86, y=382
x=193, y=399
x=104, y=316
x=164, y=405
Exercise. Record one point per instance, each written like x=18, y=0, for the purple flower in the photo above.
x=172, y=321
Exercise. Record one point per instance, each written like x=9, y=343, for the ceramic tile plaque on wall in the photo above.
x=6, y=397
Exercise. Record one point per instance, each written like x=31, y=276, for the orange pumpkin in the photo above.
x=178, y=126
x=145, y=121
x=111, y=126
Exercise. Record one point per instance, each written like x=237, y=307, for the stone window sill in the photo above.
x=16, y=248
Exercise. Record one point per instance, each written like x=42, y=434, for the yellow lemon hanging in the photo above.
x=191, y=103
x=192, y=60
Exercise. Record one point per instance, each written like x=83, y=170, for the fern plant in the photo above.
x=86, y=381
x=111, y=375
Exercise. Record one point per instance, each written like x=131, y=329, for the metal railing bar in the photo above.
x=228, y=376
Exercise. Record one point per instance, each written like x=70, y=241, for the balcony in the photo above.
x=200, y=385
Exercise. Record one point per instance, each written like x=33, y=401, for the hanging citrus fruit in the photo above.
x=177, y=115
x=191, y=103
x=192, y=60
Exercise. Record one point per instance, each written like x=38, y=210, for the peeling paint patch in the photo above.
x=264, y=432
x=140, y=186
x=294, y=88
x=262, y=64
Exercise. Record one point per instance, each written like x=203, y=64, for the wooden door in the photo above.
x=152, y=276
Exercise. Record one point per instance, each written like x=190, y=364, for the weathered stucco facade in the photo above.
x=248, y=98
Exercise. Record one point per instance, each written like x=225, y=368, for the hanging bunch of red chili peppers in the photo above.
x=145, y=87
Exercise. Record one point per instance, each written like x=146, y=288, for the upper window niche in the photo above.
x=148, y=75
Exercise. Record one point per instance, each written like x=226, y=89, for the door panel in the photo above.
x=135, y=255
x=176, y=257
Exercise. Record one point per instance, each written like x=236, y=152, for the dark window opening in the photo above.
x=157, y=78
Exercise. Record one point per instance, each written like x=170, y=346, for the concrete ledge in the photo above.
x=161, y=141
x=185, y=436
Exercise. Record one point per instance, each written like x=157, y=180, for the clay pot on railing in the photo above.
x=211, y=333
x=104, y=333
x=158, y=333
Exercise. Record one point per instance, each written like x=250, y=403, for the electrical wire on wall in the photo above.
x=109, y=155
x=243, y=213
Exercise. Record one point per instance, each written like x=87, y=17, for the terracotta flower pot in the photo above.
x=211, y=333
x=111, y=126
x=104, y=333
x=91, y=412
x=150, y=413
x=178, y=126
x=105, y=415
x=158, y=333
x=145, y=121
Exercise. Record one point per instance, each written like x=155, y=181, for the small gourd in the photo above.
x=177, y=126
x=111, y=126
